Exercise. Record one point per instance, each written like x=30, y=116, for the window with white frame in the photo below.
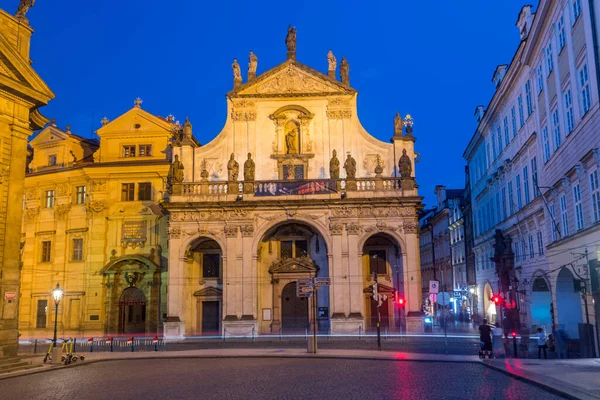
x=493, y=140
x=77, y=250
x=539, y=73
x=521, y=115
x=595, y=190
x=530, y=242
x=49, y=203
x=504, y=216
x=578, y=206
x=518, y=188
x=584, y=89
x=549, y=59
x=553, y=227
x=556, y=129
x=546, y=142
x=576, y=10
x=506, y=135
x=562, y=36
x=569, y=111
x=540, y=243
x=534, y=176
x=511, y=203
x=526, y=183
x=564, y=216
x=528, y=98
x=513, y=116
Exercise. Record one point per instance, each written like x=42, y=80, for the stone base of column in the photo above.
x=354, y=327
x=174, y=330
x=244, y=327
x=415, y=322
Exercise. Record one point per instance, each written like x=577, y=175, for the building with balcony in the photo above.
x=293, y=187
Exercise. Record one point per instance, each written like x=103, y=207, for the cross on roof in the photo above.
x=138, y=102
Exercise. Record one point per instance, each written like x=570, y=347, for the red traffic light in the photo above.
x=400, y=301
x=496, y=299
x=514, y=334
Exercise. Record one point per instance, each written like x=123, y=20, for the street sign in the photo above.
x=304, y=287
x=10, y=295
x=322, y=282
x=434, y=287
x=443, y=299
x=457, y=295
x=433, y=297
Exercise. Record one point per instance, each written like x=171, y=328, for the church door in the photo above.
x=294, y=310
x=132, y=311
x=210, y=317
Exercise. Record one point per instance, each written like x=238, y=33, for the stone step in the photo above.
x=25, y=367
x=4, y=361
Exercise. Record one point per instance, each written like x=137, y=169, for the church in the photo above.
x=292, y=188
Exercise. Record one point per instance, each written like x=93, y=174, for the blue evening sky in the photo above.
x=431, y=59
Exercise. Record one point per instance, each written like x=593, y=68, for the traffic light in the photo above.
x=514, y=334
x=401, y=301
x=497, y=300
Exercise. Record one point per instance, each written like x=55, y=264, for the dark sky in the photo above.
x=431, y=59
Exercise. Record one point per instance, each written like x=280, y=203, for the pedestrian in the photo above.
x=485, y=336
x=541, y=342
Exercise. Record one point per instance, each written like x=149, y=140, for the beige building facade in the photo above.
x=22, y=92
x=293, y=187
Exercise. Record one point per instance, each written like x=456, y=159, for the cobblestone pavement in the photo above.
x=270, y=379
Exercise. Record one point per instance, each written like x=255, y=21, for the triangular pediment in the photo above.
x=209, y=292
x=293, y=265
x=291, y=79
x=380, y=289
x=48, y=136
x=136, y=121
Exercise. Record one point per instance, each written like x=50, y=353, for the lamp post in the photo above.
x=57, y=293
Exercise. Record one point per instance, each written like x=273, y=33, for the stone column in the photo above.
x=249, y=278
x=355, y=277
x=337, y=274
x=174, y=326
x=230, y=286
x=412, y=283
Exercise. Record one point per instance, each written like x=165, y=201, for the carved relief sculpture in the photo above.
x=345, y=71
x=405, y=165
x=233, y=169
x=334, y=166
x=350, y=167
x=252, y=65
x=175, y=171
x=378, y=165
x=290, y=43
x=237, y=73
x=291, y=138
x=249, y=168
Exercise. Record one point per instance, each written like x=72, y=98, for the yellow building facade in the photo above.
x=22, y=92
x=92, y=222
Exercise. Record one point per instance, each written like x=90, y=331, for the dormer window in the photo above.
x=128, y=151
x=52, y=160
x=145, y=150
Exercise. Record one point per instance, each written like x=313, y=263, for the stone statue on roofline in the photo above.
x=249, y=168
x=237, y=73
x=233, y=168
x=331, y=62
x=345, y=71
x=176, y=171
x=290, y=42
x=252, y=65
x=24, y=6
x=398, y=125
x=350, y=167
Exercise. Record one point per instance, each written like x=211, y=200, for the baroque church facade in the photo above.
x=293, y=187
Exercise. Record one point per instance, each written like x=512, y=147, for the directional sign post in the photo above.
x=306, y=287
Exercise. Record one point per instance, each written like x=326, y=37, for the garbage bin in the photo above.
x=497, y=343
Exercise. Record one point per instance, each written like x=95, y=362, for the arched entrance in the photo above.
x=541, y=298
x=488, y=306
x=382, y=257
x=294, y=310
x=132, y=311
x=568, y=303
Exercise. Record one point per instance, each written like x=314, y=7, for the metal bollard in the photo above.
x=224, y=334
x=74, y=345
x=253, y=337
x=111, y=345
x=280, y=334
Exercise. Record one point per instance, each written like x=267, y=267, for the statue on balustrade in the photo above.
x=398, y=125
x=233, y=169
x=350, y=167
x=405, y=165
x=249, y=168
x=334, y=166
x=176, y=171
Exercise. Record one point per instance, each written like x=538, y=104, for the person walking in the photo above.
x=541, y=342
x=485, y=336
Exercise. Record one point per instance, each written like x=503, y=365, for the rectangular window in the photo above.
x=578, y=206
x=128, y=192
x=49, y=198
x=546, y=141
x=534, y=177
x=556, y=129
x=595, y=190
x=301, y=248
x=584, y=89
x=528, y=98
x=145, y=150
x=569, y=111
x=210, y=265
x=493, y=139
x=286, y=249
x=519, y=196
x=377, y=262
x=576, y=10
x=564, y=216
x=540, y=243
x=523, y=250
x=539, y=72
x=530, y=242
x=499, y=134
x=513, y=116
x=77, y=250
x=144, y=191
x=506, y=135
x=128, y=151
x=46, y=251
x=42, y=309
x=562, y=37
x=549, y=59
x=521, y=115
x=52, y=160
x=511, y=203
x=553, y=228
x=526, y=184
x=504, y=216
x=80, y=191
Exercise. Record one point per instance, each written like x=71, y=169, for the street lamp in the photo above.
x=57, y=293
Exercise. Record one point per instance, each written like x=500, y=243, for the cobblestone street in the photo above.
x=270, y=378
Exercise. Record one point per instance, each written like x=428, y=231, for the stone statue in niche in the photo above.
x=291, y=138
x=334, y=166
x=249, y=168
x=405, y=165
x=233, y=169
x=176, y=171
x=350, y=167
x=398, y=124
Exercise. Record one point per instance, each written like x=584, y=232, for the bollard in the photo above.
x=253, y=337
x=91, y=341
x=75, y=345
x=35, y=346
x=111, y=345
x=224, y=334
x=280, y=335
